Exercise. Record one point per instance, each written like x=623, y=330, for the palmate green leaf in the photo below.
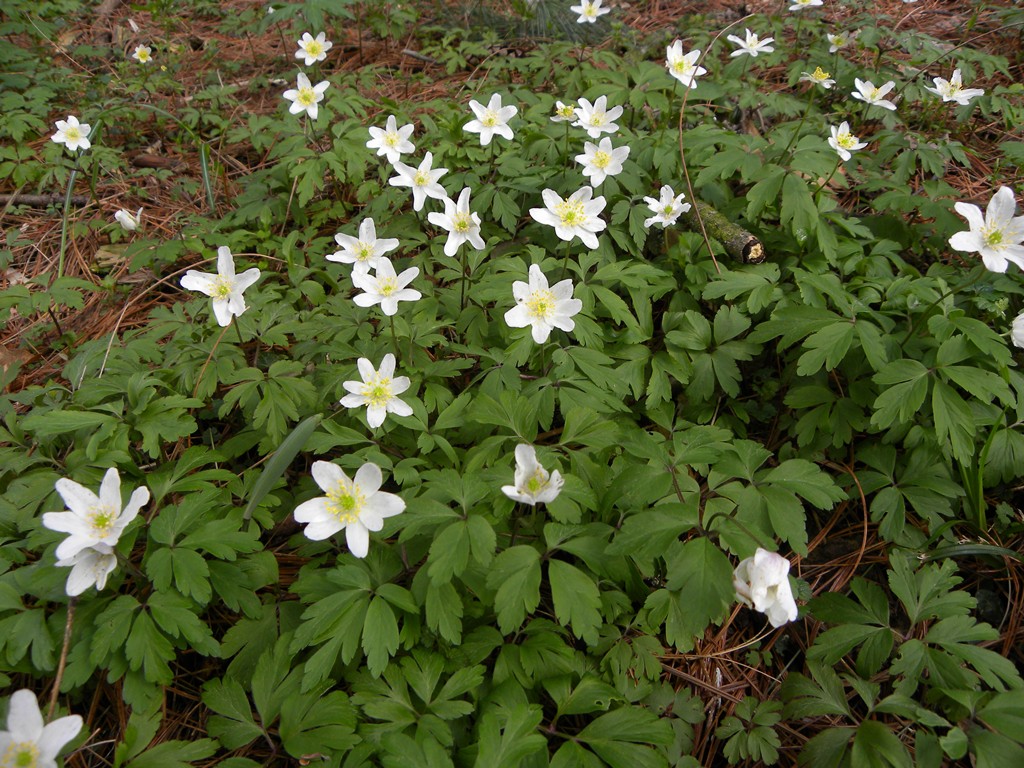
x=758, y=282
x=621, y=738
x=444, y=611
x=515, y=574
x=312, y=724
x=827, y=749
x=904, y=386
x=876, y=746
x=807, y=480
x=700, y=587
x=148, y=650
x=174, y=616
x=826, y=347
x=508, y=736
x=1005, y=713
x=953, y=421
x=380, y=635
x=275, y=681
x=576, y=598
x=174, y=754
x=403, y=751
x=233, y=725
x=807, y=697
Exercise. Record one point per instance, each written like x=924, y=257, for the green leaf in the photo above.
x=515, y=574
x=312, y=724
x=174, y=754
x=233, y=725
x=621, y=738
x=577, y=600
x=904, y=386
x=380, y=635
x=875, y=745
x=149, y=650
x=280, y=461
x=508, y=737
x=700, y=581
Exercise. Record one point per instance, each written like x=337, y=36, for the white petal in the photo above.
x=24, y=720
x=357, y=538
x=78, y=498
x=328, y=476
x=369, y=478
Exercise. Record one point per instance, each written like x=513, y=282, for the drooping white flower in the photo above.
x=377, y=391
x=30, y=743
x=306, y=97
x=72, y=134
x=840, y=40
x=953, y=89
x=143, y=54
x=869, y=94
x=533, y=484
x=90, y=567
x=462, y=225
x=563, y=112
x=363, y=252
x=1017, y=331
x=818, y=77
x=541, y=307
x=358, y=506
x=844, y=142
x=422, y=180
x=589, y=10
x=225, y=287
x=683, y=67
x=386, y=287
x=667, y=208
x=91, y=520
x=998, y=236
x=490, y=120
x=601, y=160
x=576, y=216
x=799, y=5
x=391, y=140
x=762, y=582
x=313, y=49
x=129, y=221
x=596, y=118
x=751, y=44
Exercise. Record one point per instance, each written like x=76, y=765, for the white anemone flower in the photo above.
x=306, y=97
x=564, y=112
x=356, y=506
x=601, y=160
x=998, y=236
x=533, y=484
x=762, y=583
x=683, y=67
x=596, y=118
x=462, y=225
x=143, y=54
x=313, y=49
x=90, y=567
x=72, y=134
x=225, y=288
x=129, y=221
x=490, y=120
x=386, y=287
x=667, y=208
x=576, y=216
x=799, y=5
x=28, y=740
x=541, y=307
x=953, y=89
x=391, y=140
x=844, y=142
x=1017, y=331
x=364, y=252
x=91, y=520
x=423, y=181
x=589, y=10
x=840, y=40
x=869, y=94
x=818, y=77
x=377, y=391
x=751, y=44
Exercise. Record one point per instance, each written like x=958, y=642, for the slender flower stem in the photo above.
x=568, y=254
x=978, y=272
x=64, y=220
x=462, y=290
x=208, y=359
x=803, y=118
x=394, y=338
x=826, y=181
x=63, y=657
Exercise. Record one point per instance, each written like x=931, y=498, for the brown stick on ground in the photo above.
x=740, y=244
x=103, y=13
x=41, y=201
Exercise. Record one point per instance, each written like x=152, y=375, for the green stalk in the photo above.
x=64, y=221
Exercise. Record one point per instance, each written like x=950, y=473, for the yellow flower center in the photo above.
x=566, y=111
x=364, y=251
x=601, y=159
x=387, y=285
x=992, y=236
x=306, y=97
x=391, y=138
x=570, y=212
x=538, y=481
x=668, y=209
x=221, y=288
x=314, y=48
x=490, y=119
x=876, y=94
x=597, y=118
x=846, y=140
x=682, y=66
x=377, y=391
x=346, y=502
x=72, y=133
x=462, y=222
x=541, y=305
x=143, y=55
x=102, y=520
x=21, y=754
x=421, y=179
x=819, y=75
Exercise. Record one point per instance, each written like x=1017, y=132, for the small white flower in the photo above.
x=358, y=506
x=667, y=208
x=363, y=252
x=1017, y=331
x=129, y=221
x=306, y=97
x=91, y=520
x=385, y=288
x=541, y=307
x=422, y=180
x=391, y=140
x=998, y=237
x=225, y=288
x=90, y=567
x=313, y=49
x=953, y=89
x=30, y=743
x=596, y=118
x=533, y=484
x=683, y=67
x=844, y=142
x=762, y=582
x=490, y=120
x=377, y=391
x=462, y=225
x=869, y=94
x=589, y=10
x=752, y=45
x=799, y=5
x=576, y=216
x=143, y=54
x=600, y=161
x=563, y=112
x=72, y=134
x=840, y=40
x=818, y=77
